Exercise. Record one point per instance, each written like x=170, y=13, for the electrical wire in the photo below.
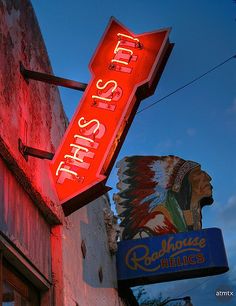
x=187, y=84
x=198, y=285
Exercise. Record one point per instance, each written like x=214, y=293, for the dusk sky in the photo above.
x=196, y=123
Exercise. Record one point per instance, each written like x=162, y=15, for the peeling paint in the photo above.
x=34, y=105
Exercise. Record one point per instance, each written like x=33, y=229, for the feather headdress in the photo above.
x=143, y=200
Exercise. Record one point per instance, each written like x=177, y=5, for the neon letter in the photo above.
x=65, y=173
x=104, y=96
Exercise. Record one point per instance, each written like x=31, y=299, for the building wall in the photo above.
x=31, y=219
x=30, y=110
x=82, y=283
x=33, y=112
x=22, y=223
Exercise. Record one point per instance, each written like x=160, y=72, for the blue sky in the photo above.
x=197, y=123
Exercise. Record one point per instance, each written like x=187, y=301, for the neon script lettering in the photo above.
x=125, y=69
x=81, y=152
x=106, y=94
x=124, y=55
x=89, y=132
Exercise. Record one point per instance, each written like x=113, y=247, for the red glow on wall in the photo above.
x=125, y=69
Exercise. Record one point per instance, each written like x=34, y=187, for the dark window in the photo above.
x=16, y=290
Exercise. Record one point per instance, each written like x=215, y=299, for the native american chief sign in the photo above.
x=160, y=195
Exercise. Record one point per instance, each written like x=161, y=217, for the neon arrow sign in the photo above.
x=125, y=69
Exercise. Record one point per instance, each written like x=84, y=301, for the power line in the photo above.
x=187, y=84
x=198, y=285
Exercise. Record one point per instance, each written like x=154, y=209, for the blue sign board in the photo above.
x=171, y=257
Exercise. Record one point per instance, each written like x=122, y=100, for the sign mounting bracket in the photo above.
x=29, y=151
x=51, y=79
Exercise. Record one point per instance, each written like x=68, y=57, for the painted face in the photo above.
x=200, y=182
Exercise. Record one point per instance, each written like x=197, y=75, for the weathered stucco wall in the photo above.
x=82, y=284
x=22, y=223
x=31, y=111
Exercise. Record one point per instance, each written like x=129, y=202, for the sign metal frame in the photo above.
x=125, y=69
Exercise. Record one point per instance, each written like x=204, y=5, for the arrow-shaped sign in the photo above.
x=125, y=69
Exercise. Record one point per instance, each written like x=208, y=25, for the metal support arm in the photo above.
x=28, y=151
x=51, y=79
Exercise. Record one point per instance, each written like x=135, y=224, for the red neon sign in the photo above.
x=125, y=69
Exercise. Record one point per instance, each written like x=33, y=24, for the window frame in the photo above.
x=23, y=267
x=19, y=283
